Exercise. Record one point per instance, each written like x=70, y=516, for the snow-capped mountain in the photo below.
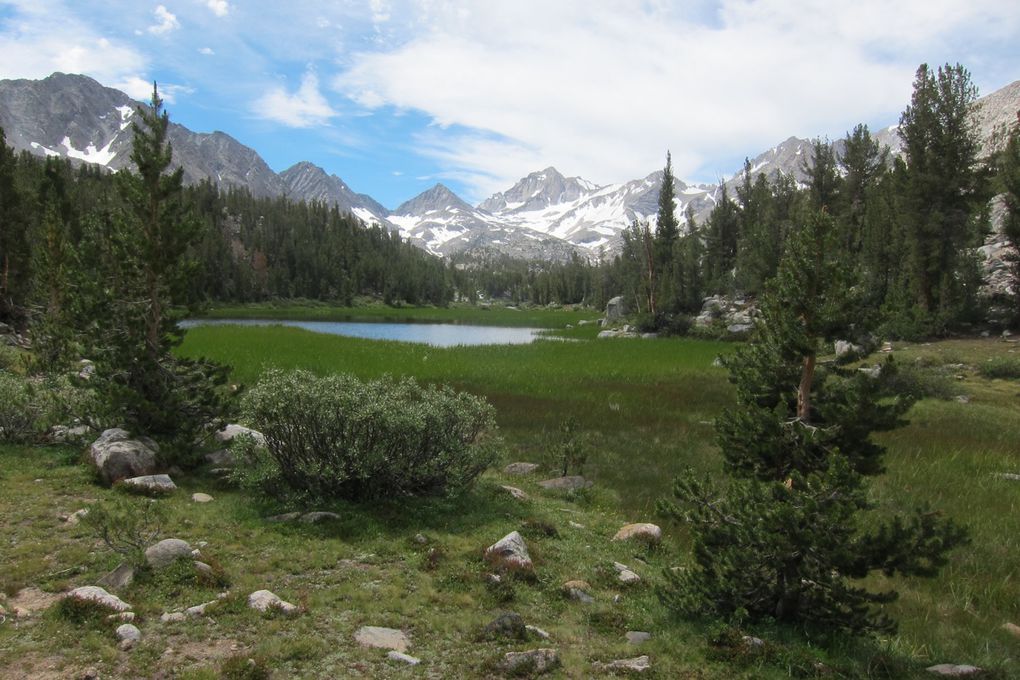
x=311, y=183
x=545, y=215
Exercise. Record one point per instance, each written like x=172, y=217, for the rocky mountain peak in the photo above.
x=438, y=198
x=538, y=191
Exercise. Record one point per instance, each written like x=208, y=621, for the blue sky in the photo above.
x=395, y=95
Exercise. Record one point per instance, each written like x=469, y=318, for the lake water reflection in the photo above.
x=434, y=334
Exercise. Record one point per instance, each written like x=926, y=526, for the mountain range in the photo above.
x=545, y=215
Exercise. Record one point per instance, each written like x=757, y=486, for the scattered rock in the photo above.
x=736, y=328
x=510, y=551
x=508, y=625
x=636, y=637
x=119, y=578
x=86, y=369
x=568, y=483
x=963, y=398
x=63, y=434
x=515, y=492
x=536, y=661
x=578, y=590
x=172, y=617
x=420, y=539
x=198, y=609
x=99, y=596
x=75, y=517
x=264, y=600
x=610, y=333
x=520, y=468
x=201, y=498
x=1012, y=629
x=537, y=632
x=383, y=638
x=493, y=578
x=616, y=309
x=575, y=525
x=285, y=517
x=123, y=617
x=642, y=531
x=203, y=568
x=151, y=485
x=846, y=349
x=230, y=432
x=118, y=457
x=638, y=664
x=317, y=517
x=1011, y=476
x=128, y=635
x=166, y=552
x=952, y=670
x=625, y=575
x=404, y=658
x=751, y=641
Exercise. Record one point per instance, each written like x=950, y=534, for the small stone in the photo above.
x=636, y=637
x=642, y=531
x=100, y=596
x=963, y=398
x=421, y=539
x=752, y=641
x=952, y=670
x=506, y=625
x=264, y=600
x=151, y=485
x=404, y=658
x=201, y=498
x=575, y=525
x=493, y=578
x=203, y=568
x=75, y=517
x=285, y=517
x=520, y=468
x=123, y=617
x=578, y=590
x=510, y=551
x=568, y=483
x=128, y=634
x=167, y=551
x=537, y=661
x=537, y=632
x=638, y=664
x=383, y=638
x=1011, y=476
x=317, y=517
x=1012, y=629
x=230, y=432
x=172, y=617
x=198, y=609
x=515, y=492
x=119, y=578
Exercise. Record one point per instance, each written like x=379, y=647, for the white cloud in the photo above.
x=166, y=21
x=141, y=89
x=208, y=51
x=219, y=7
x=380, y=11
x=304, y=108
x=603, y=89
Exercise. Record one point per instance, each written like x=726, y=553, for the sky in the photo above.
x=396, y=95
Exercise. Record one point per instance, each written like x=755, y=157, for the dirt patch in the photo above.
x=190, y=654
x=35, y=667
x=29, y=601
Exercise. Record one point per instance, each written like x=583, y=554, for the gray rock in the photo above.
x=952, y=670
x=222, y=458
x=117, y=456
x=536, y=661
x=151, y=485
x=515, y=492
x=383, y=638
x=167, y=551
x=128, y=632
x=507, y=625
x=172, y=617
x=99, y=596
x=198, y=609
x=636, y=637
x=86, y=369
x=844, y=348
x=568, y=483
x=737, y=328
x=63, y=434
x=285, y=517
x=520, y=468
x=616, y=309
x=510, y=551
x=318, y=517
x=642, y=531
x=403, y=658
x=75, y=517
x=203, y=568
x=264, y=600
x=537, y=632
x=752, y=641
x=625, y=575
x=201, y=498
x=1011, y=476
x=121, y=577
x=232, y=431
x=638, y=664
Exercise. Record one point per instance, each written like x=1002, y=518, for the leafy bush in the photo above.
x=21, y=409
x=921, y=382
x=1002, y=367
x=338, y=437
x=126, y=527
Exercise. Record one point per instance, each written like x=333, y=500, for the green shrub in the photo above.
x=922, y=382
x=126, y=527
x=337, y=437
x=21, y=409
x=1001, y=367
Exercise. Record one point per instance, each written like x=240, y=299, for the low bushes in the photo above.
x=338, y=437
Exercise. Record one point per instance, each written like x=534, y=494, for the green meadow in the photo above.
x=647, y=408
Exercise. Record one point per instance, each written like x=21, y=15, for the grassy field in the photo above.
x=648, y=406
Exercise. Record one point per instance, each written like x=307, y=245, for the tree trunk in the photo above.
x=807, y=376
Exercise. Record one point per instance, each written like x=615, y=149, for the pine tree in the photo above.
x=945, y=193
x=722, y=237
x=14, y=247
x=786, y=538
x=144, y=253
x=863, y=163
x=1009, y=178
